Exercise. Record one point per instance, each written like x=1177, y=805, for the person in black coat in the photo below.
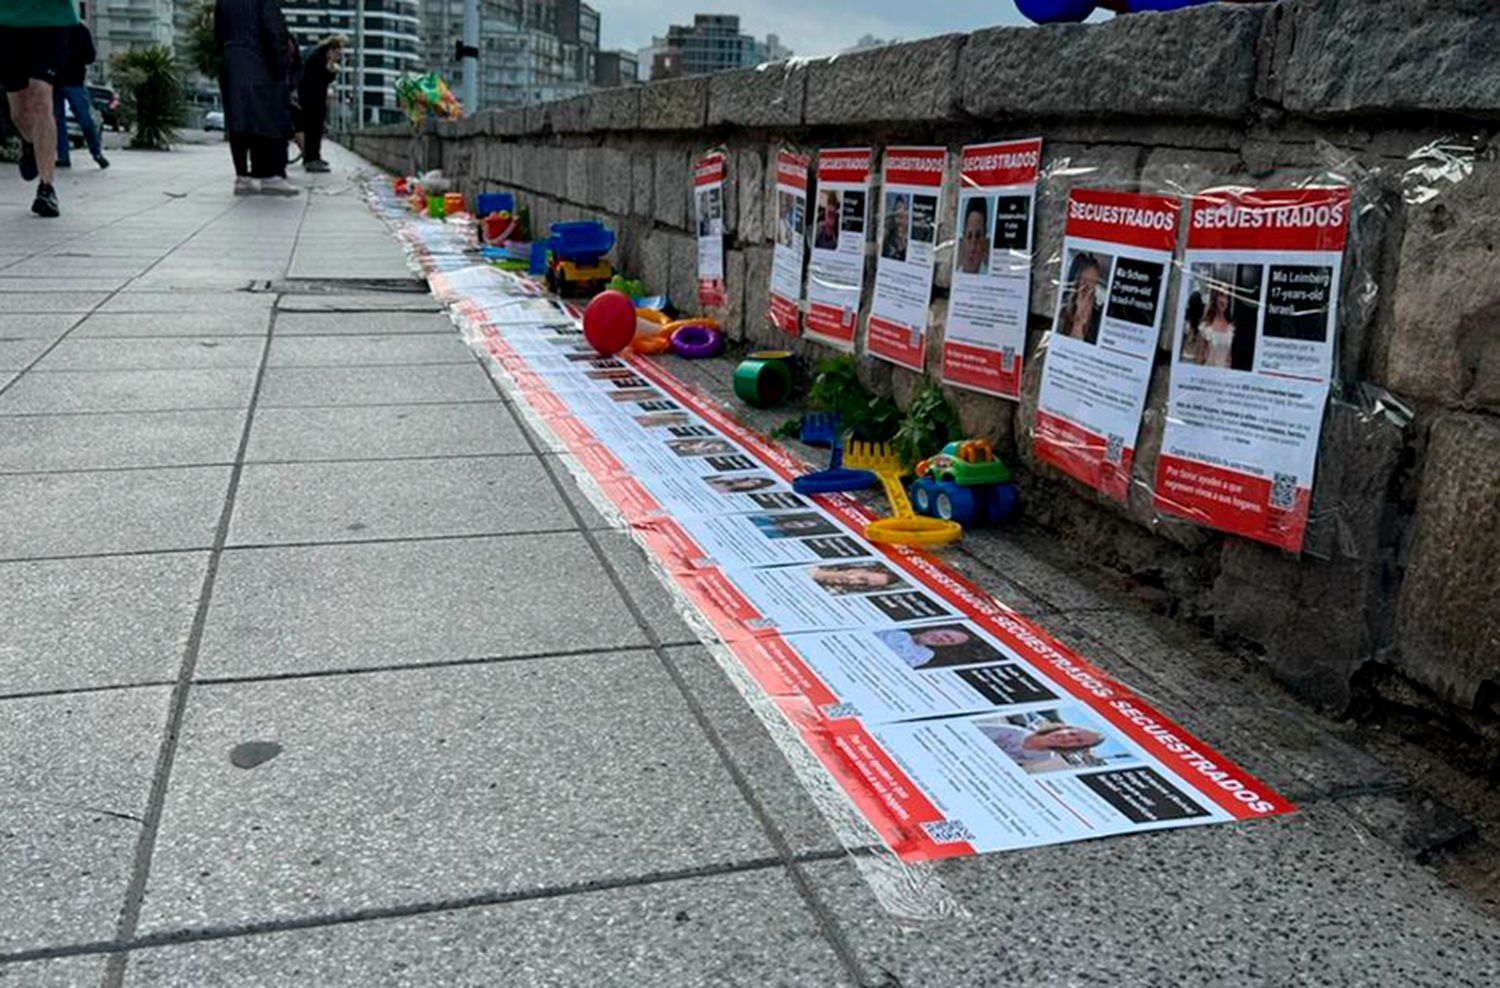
x=69, y=90
x=254, y=45
x=312, y=92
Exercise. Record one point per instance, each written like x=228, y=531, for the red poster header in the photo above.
x=1008, y=163
x=791, y=169
x=845, y=165
x=1270, y=219
x=1124, y=218
x=922, y=166
x=709, y=169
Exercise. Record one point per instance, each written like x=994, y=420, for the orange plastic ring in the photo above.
x=914, y=531
x=651, y=345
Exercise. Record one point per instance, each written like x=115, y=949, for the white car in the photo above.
x=213, y=120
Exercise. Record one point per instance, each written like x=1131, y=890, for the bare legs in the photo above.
x=31, y=110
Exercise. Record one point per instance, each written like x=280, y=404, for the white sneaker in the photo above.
x=278, y=186
x=244, y=185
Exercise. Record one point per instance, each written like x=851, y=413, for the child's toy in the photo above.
x=634, y=287
x=823, y=429
x=401, y=186
x=495, y=202
x=904, y=527
x=764, y=379
x=696, y=338
x=437, y=206
x=651, y=337
x=609, y=322
x=966, y=483
x=577, y=265
x=453, y=202
x=424, y=94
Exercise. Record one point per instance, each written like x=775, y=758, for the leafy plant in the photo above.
x=929, y=425
x=202, y=48
x=837, y=388
x=152, y=94
x=790, y=429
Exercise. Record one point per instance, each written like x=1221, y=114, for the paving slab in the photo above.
x=321, y=608
x=375, y=499
x=81, y=623
x=11, y=284
x=292, y=386
x=119, y=439
x=72, y=514
x=737, y=929
x=358, y=303
x=350, y=350
x=420, y=786
x=35, y=325
x=53, y=301
x=216, y=303
x=1310, y=899
x=195, y=325
x=76, y=777
x=293, y=322
x=63, y=972
x=645, y=588
x=82, y=353
x=129, y=390
x=384, y=431
x=17, y=354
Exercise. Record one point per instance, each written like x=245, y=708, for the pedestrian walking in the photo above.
x=33, y=44
x=69, y=90
x=253, y=45
x=318, y=72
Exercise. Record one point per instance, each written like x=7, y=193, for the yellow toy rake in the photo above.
x=904, y=527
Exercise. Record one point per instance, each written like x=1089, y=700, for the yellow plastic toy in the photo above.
x=905, y=526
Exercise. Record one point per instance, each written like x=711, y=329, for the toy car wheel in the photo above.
x=1003, y=501
x=954, y=503
x=921, y=498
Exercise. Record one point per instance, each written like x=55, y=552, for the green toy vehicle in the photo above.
x=966, y=483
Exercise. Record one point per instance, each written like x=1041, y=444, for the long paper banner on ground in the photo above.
x=954, y=724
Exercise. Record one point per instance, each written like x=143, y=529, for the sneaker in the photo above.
x=28, y=161
x=45, y=203
x=244, y=185
x=101, y=161
x=316, y=165
x=278, y=186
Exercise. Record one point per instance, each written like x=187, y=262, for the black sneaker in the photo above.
x=28, y=161
x=101, y=161
x=45, y=203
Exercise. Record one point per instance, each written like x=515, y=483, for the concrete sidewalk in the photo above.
x=317, y=670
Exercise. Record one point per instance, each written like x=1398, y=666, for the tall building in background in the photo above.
x=119, y=25
x=712, y=43
x=392, y=31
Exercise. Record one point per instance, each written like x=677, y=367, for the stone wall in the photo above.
x=1403, y=551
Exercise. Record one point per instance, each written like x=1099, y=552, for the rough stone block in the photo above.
x=1358, y=456
x=672, y=188
x=1199, y=62
x=508, y=121
x=1444, y=342
x=570, y=116
x=755, y=184
x=610, y=180
x=757, y=325
x=1449, y=622
x=731, y=314
x=771, y=95
x=913, y=81
x=682, y=271
x=675, y=104
x=655, y=262
x=614, y=109
x=1387, y=56
x=576, y=161
x=642, y=181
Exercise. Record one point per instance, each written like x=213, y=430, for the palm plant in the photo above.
x=152, y=92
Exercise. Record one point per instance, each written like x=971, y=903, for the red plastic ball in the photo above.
x=609, y=322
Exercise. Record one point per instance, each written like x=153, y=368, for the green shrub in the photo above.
x=151, y=92
x=837, y=389
x=929, y=425
x=202, y=46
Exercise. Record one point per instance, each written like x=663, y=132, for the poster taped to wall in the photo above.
x=1252, y=357
x=911, y=202
x=984, y=338
x=708, y=197
x=1117, y=254
x=791, y=237
x=836, y=271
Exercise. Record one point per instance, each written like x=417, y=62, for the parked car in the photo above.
x=213, y=120
x=107, y=105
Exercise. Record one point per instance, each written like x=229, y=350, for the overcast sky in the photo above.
x=808, y=27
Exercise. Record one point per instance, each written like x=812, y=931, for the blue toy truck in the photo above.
x=575, y=262
x=966, y=483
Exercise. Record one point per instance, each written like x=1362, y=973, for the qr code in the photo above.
x=838, y=711
x=1114, y=449
x=947, y=831
x=1007, y=356
x=1284, y=491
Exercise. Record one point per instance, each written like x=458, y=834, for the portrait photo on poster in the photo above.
x=897, y=227
x=830, y=216
x=1221, y=315
x=1059, y=739
x=974, y=235
x=1084, y=294
x=789, y=219
x=852, y=579
x=940, y=645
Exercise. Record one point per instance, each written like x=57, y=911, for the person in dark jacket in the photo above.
x=69, y=90
x=317, y=75
x=253, y=45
